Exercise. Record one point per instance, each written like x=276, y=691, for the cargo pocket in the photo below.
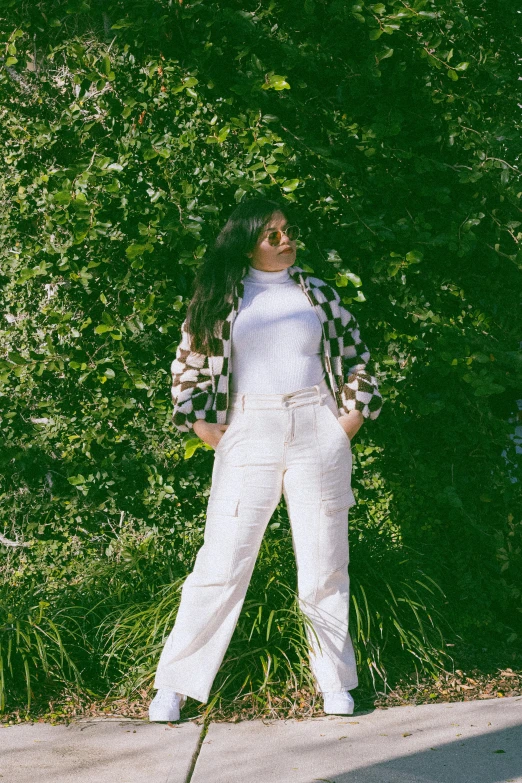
x=223, y=506
x=334, y=545
x=215, y=559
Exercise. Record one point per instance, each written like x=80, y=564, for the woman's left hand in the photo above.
x=351, y=422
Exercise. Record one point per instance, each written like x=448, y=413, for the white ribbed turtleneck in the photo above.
x=276, y=337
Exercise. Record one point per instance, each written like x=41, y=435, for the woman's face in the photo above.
x=272, y=258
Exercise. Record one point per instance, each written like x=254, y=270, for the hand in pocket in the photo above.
x=210, y=433
x=351, y=423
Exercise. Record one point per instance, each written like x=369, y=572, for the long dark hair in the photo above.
x=224, y=267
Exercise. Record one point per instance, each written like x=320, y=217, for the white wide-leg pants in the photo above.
x=276, y=443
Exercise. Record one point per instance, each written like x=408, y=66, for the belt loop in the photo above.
x=243, y=403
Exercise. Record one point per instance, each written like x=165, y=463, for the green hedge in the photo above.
x=129, y=133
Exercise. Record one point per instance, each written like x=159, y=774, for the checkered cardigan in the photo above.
x=200, y=384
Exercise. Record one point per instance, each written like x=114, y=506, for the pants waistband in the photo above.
x=310, y=395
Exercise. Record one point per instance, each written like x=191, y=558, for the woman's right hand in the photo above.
x=209, y=433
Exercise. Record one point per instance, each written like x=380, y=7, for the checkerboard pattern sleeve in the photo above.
x=192, y=386
x=349, y=355
x=360, y=390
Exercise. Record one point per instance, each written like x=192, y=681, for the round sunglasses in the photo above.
x=274, y=237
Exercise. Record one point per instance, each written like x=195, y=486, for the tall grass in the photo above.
x=268, y=652
x=130, y=638
x=35, y=648
x=402, y=620
x=106, y=629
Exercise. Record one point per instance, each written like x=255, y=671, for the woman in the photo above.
x=271, y=372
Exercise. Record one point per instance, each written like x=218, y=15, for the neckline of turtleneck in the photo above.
x=260, y=276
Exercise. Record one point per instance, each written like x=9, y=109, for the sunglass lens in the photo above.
x=274, y=237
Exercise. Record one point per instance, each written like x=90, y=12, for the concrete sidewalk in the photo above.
x=459, y=742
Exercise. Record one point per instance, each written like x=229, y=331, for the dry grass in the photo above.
x=460, y=685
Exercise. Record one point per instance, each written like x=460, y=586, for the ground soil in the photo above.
x=475, y=674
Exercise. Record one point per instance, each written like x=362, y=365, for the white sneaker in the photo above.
x=338, y=703
x=166, y=705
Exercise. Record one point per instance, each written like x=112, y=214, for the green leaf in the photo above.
x=343, y=278
x=384, y=54
x=333, y=256
x=25, y=274
x=275, y=82
x=354, y=279
x=135, y=250
x=414, y=257
x=223, y=133
x=290, y=185
x=16, y=358
x=487, y=389
x=192, y=445
x=75, y=480
x=62, y=197
x=121, y=24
